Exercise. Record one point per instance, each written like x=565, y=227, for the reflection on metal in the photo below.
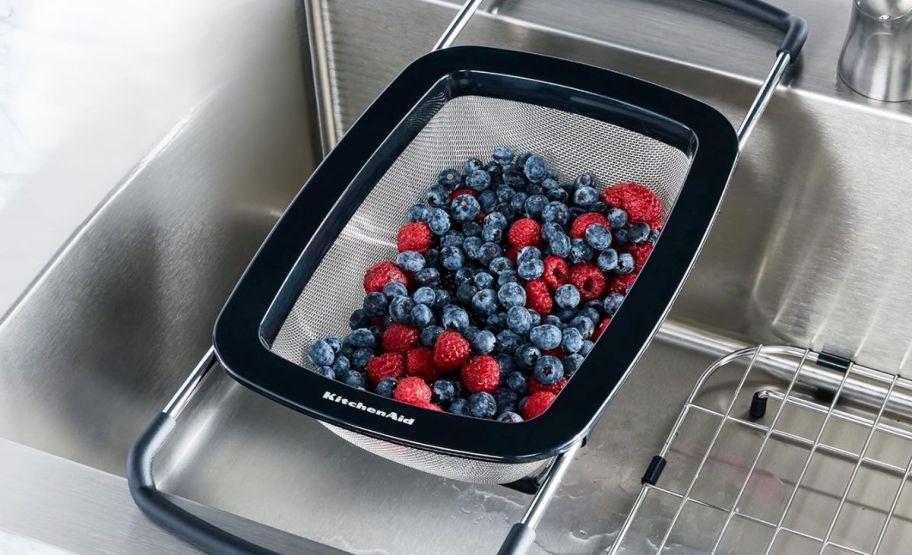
x=876, y=60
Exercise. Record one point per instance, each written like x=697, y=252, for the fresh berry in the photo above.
x=479, y=180
x=527, y=355
x=382, y=273
x=538, y=298
x=482, y=405
x=557, y=212
x=481, y=374
x=438, y=220
x=325, y=371
x=557, y=272
x=535, y=385
x=509, y=417
x=639, y=202
x=639, y=253
x=483, y=342
x=415, y=236
x=422, y=315
x=420, y=362
x=503, y=155
x=598, y=237
x=362, y=337
x=560, y=244
x=583, y=221
x=612, y=303
x=548, y=370
x=626, y=264
x=454, y=317
x=387, y=365
x=484, y=302
x=428, y=406
x=567, y=296
x=519, y=320
x=410, y=261
x=400, y=309
x=386, y=386
x=617, y=218
x=429, y=335
x=524, y=233
x=588, y=280
x=517, y=382
x=585, y=196
x=601, y=328
x=535, y=168
x=444, y=391
x=536, y=403
x=354, y=379
x=506, y=399
x=621, y=283
x=607, y=260
x=638, y=233
x=545, y=336
x=413, y=391
x=511, y=294
x=451, y=350
x=465, y=207
x=535, y=204
x=320, y=353
x=572, y=340
x=580, y=251
x=572, y=363
x=449, y=178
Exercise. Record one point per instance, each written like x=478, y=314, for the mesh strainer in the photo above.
x=448, y=106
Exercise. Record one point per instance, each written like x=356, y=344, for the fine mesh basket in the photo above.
x=448, y=106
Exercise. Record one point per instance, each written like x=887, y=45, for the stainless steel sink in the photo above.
x=800, y=255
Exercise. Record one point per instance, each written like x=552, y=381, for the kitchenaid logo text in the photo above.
x=335, y=398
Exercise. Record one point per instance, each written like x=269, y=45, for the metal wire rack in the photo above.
x=757, y=464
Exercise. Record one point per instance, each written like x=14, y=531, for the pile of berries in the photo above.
x=504, y=279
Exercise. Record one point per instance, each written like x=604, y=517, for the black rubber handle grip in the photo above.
x=793, y=27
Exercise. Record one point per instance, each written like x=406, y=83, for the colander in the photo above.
x=450, y=105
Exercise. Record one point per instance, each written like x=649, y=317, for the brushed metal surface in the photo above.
x=876, y=59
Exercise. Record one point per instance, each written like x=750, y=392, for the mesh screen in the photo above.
x=464, y=127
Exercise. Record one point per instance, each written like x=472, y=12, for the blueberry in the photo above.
x=362, y=337
x=354, y=378
x=375, y=304
x=506, y=363
x=612, y=303
x=465, y=208
x=334, y=342
x=506, y=209
x=620, y=236
x=625, y=264
x=567, y=296
x=488, y=200
x=422, y=315
x=598, y=237
x=464, y=275
x=528, y=253
x=535, y=169
x=519, y=320
x=545, y=336
x=400, y=309
x=441, y=298
x=507, y=341
x=454, y=318
x=535, y=204
x=444, y=391
x=432, y=257
x=436, y=197
x=424, y=295
x=485, y=302
x=377, y=332
x=506, y=399
x=511, y=294
x=607, y=260
x=518, y=202
x=535, y=316
x=495, y=169
x=509, y=417
x=360, y=357
x=580, y=251
x=483, y=343
x=550, y=184
x=585, y=196
x=638, y=233
x=572, y=340
x=517, y=382
x=496, y=219
x=429, y=335
x=418, y=213
x=438, y=221
x=471, y=229
x=513, y=178
x=497, y=321
x=453, y=258
x=358, y=319
x=478, y=180
x=534, y=189
x=556, y=212
x=548, y=370
x=410, y=261
x=552, y=320
x=482, y=405
x=507, y=276
x=591, y=313
x=531, y=269
x=565, y=315
x=572, y=363
x=488, y=252
x=503, y=155
x=584, y=180
x=346, y=348
x=492, y=233
x=586, y=348
x=450, y=178
x=527, y=355
x=550, y=229
x=452, y=239
x=320, y=353
x=599, y=207
x=654, y=236
x=584, y=325
x=427, y=276
x=386, y=386
x=395, y=288
x=341, y=365
x=470, y=333
x=504, y=193
x=575, y=212
x=521, y=159
x=465, y=293
x=617, y=218
x=558, y=195
x=460, y=407
x=472, y=246
x=325, y=371
x=500, y=265
x=484, y=280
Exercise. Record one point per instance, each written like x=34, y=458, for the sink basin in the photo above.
x=109, y=331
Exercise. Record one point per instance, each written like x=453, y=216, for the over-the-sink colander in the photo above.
x=448, y=106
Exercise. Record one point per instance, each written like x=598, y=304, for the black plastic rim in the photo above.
x=652, y=110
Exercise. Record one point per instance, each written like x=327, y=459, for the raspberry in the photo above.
x=535, y=386
x=638, y=201
x=555, y=352
x=556, y=271
x=579, y=225
x=536, y=404
x=389, y=365
x=639, y=253
x=399, y=338
x=420, y=363
x=482, y=373
x=538, y=298
x=600, y=328
x=589, y=280
x=463, y=191
x=412, y=391
x=382, y=273
x=451, y=350
x=415, y=236
x=428, y=406
x=621, y=284
x=512, y=254
x=524, y=232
